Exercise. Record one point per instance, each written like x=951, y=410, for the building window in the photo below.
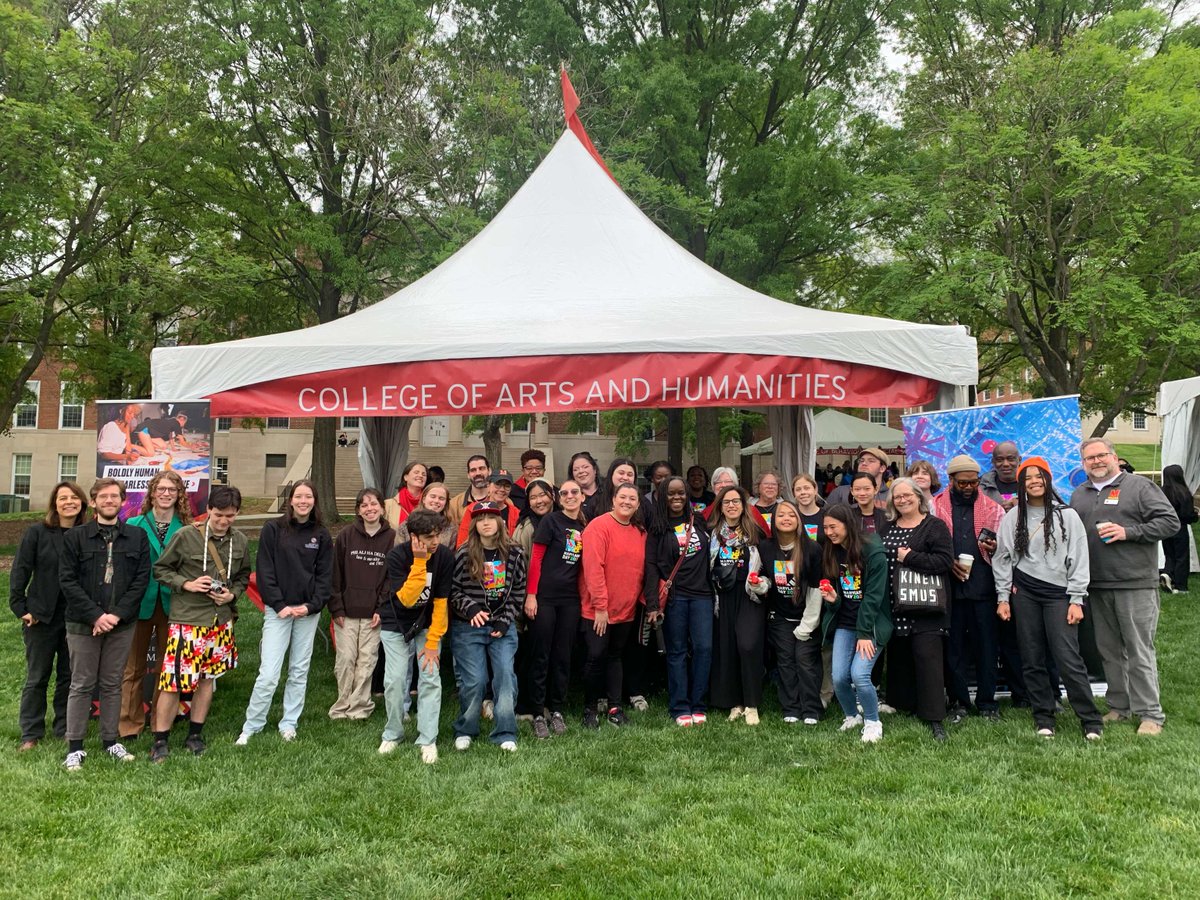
x=22, y=474
x=277, y=421
x=877, y=415
x=221, y=469
x=224, y=423
x=68, y=466
x=1139, y=420
x=985, y=395
x=350, y=422
x=999, y=391
x=70, y=407
x=26, y=413
x=520, y=424
x=589, y=421
x=276, y=461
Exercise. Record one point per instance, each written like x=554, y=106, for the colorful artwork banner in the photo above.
x=1049, y=428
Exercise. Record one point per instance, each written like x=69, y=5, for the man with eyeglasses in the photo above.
x=1125, y=516
x=973, y=520
x=533, y=468
x=874, y=462
x=1000, y=484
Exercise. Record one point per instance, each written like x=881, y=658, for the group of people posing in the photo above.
x=881, y=595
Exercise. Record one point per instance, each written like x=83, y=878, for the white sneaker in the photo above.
x=74, y=760
x=488, y=709
x=1045, y=733
x=790, y=720
x=887, y=710
x=509, y=746
x=462, y=742
x=387, y=747
x=118, y=752
x=736, y=713
x=810, y=721
x=639, y=703
x=751, y=715
x=288, y=734
x=850, y=722
x=242, y=739
x=872, y=732
x=429, y=754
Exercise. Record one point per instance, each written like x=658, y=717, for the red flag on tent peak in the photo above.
x=570, y=111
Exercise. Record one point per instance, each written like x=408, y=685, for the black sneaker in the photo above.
x=541, y=730
x=939, y=733
x=195, y=744
x=558, y=724
x=616, y=716
x=159, y=752
x=992, y=715
x=591, y=718
x=957, y=714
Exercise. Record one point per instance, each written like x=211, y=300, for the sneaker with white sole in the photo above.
x=1046, y=733
x=429, y=754
x=736, y=713
x=509, y=746
x=541, y=730
x=118, y=752
x=487, y=709
x=699, y=718
x=790, y=720
x=558, y=724
x=288, y=734
x=462, y=742
x=684, y=721
x=242, y=739
x=887, y=710
x=386, y=747
x=872, y=732
x=638, y=702
x=74, y=760
x=809, y=720
x=751, y=715
x=850, y=722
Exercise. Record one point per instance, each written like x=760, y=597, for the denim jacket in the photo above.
x=81, y=571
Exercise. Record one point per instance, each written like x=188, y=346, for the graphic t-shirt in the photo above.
x=812, y=525
x=562, y=537
x=495, y=577
x=1007, y=490
x=849, y=586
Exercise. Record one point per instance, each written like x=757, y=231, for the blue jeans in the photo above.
x=472, y=648
x=397, y=674
x=689, y=618
x=277, y=636
x=852, y=675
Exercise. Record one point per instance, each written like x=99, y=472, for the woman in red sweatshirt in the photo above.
x=614, y=557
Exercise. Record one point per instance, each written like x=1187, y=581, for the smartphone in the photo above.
x=986, y=534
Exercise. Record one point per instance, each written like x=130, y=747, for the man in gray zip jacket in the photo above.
x=1125, y=516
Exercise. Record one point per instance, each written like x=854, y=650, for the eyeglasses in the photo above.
x=166, y=490
x=1096, y=457
x=574, y=492
x=731, y=502
x=533, y=468
x=974, y=482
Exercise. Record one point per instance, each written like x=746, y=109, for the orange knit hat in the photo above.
x=1032, y=461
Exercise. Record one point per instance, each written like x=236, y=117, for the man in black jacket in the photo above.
x=104, y=570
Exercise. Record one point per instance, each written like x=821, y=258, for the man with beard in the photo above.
x=479, y=471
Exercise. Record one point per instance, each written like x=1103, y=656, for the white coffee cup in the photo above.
x=966, y=560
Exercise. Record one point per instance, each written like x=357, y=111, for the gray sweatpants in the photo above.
x=1126, y=622
x=97, y=660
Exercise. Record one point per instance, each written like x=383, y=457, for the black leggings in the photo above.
x=604, y=672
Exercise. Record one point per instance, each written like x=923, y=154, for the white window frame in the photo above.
x=221, y=470
x=985, y=395
x=276, y=420
x=63, y=474
x=514, y=428
x=64, y=389
x=873, y=415
x=596, y=414
x=36, y=388
x=999, y=391
x=217, y=425
x=16, y=458
x=1133, y=420
x=346, y=420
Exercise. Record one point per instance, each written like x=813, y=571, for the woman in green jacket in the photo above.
x=164, y=511
x=857, y=616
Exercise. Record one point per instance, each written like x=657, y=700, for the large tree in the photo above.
x=1047, y=195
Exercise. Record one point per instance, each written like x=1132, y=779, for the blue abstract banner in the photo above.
x=1048, y=428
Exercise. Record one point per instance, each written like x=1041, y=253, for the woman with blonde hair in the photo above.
x=165, y=510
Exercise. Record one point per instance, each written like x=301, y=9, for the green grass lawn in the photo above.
x=652, y=810
x=1143, y=457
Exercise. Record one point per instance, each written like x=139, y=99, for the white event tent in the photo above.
x=1179, y=409
x=837, y=434
x=571, y=298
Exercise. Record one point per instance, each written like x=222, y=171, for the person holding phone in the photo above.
x=857, y=617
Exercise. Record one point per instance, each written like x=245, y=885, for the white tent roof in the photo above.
x=1173, y=394
x=569, y=266
x=833, y=428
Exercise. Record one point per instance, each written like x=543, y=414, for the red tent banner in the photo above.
x=532, y=384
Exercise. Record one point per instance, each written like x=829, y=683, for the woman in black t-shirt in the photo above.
x=767, y=490
x=552, y=608
x=864, y=490
x=687, y=604
x=792, y=566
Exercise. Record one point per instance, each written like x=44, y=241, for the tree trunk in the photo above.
x=675, y=439
x=323, y=445
x=746, y=475
x=708, y=437
x=493, y=443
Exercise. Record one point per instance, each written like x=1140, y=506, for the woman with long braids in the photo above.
x=1041, y=570
x=741, y=626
